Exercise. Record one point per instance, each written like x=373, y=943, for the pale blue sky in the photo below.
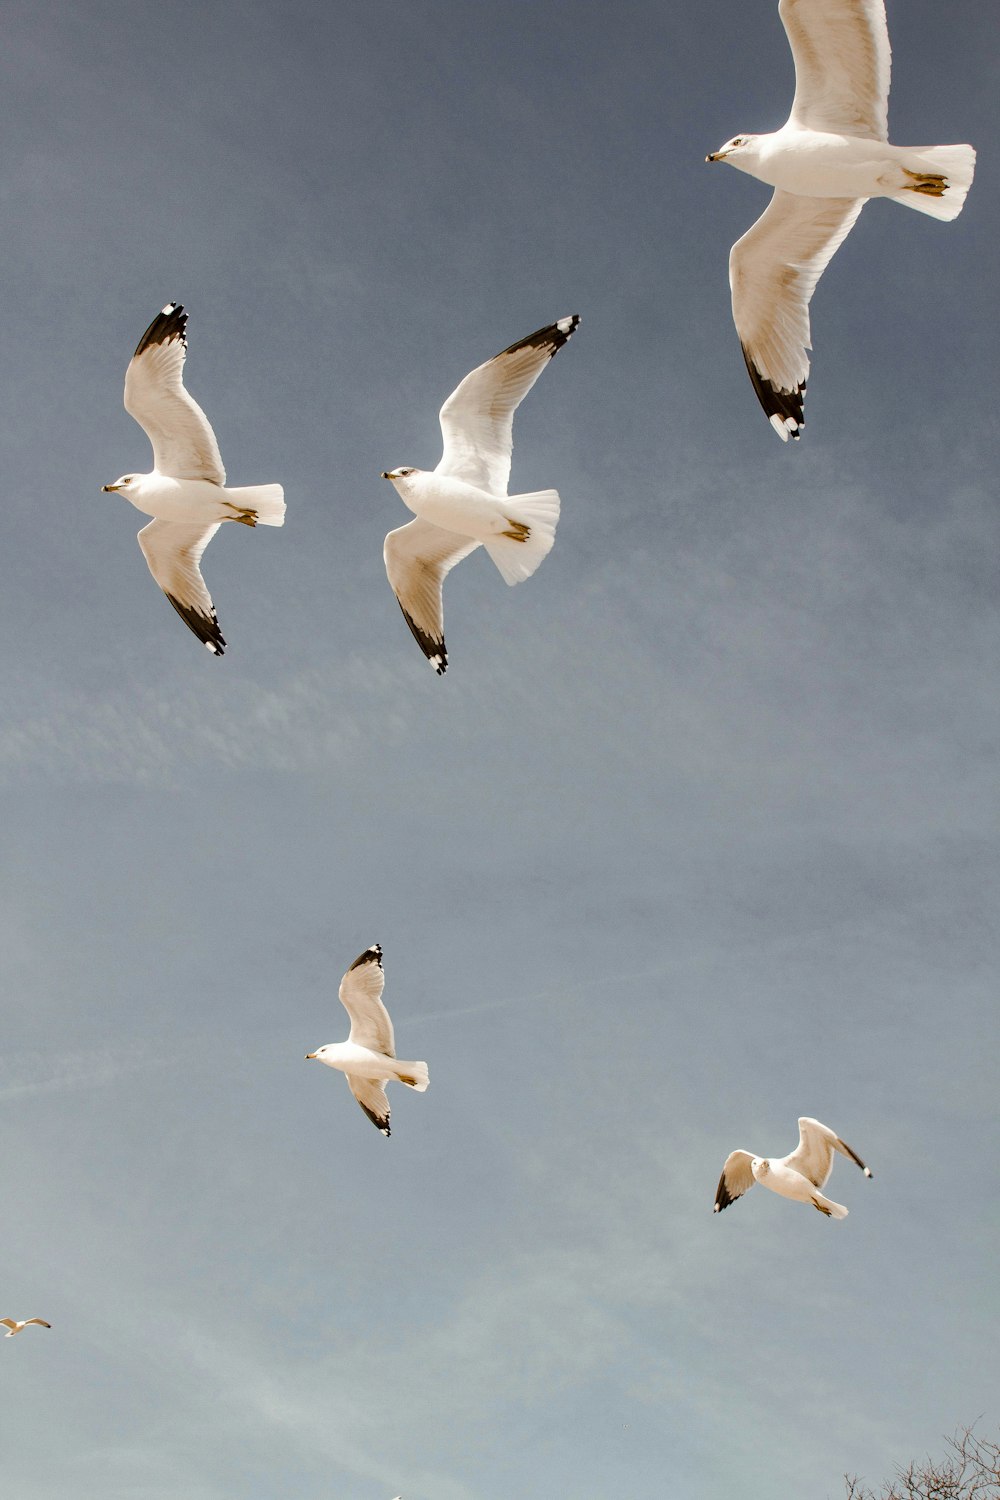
x=698, y=834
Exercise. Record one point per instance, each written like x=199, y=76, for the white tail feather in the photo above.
x=540, y=513
x=413, y=1074
x=268, y=500
x=835, y=1210
x=955, y=163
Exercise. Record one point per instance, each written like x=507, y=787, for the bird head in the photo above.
x=318, y=1055
x=744, y=146
x=126, y=482
x=759, y=1167
x=400, y=477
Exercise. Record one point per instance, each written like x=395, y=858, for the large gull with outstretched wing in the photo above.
x=463, y=504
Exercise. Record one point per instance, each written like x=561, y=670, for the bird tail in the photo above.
x=414, y=1075
x=937, y=179
x=532, y=530
x=268, y=500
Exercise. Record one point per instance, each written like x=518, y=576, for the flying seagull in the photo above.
x=13, y=1326
x=830, y=156
x=799, y=1175
x=186, y=492
x=464, y=501
x=368, y=1057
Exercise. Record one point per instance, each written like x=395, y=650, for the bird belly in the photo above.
x=828, y=166
x=166, y=499
x=459, y=507
x=350, y=1058
x=788, y=1183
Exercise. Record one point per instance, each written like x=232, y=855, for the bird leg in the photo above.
x=930, y=183
x=518, y=531
x=821, y=1208
x=245, y=517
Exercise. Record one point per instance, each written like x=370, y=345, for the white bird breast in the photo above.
x=167, y=499
x=452, y=504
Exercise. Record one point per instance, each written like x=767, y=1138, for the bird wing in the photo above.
x=478, y=417
x=773, y=271
x=417, y=558
x=737, y=1179
x=370, y=1094
x=814, y=1153
x=173, y=551
x=361, y=996
x=842, y=65
x=184, y=445
x=813, y=1156
x=8, y=1323
x=40, y=1321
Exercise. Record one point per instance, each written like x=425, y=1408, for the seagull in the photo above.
x=368, y=1056
x=13, y=1326
x=826, y=161
x=799, y=1175
x=464, y=501
x=186, y=492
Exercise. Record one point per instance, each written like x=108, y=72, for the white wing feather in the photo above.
x=173, y=550
x=813, y=1156
x=184, y=445
x=477, y=418
x=737, y=1178
x=773, y=271
x=361, y=996
x=370, y=1094
x=418, y=558
x=842, y=65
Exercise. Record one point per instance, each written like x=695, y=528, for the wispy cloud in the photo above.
x=23, y=1074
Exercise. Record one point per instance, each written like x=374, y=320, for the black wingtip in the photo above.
x=381, y=1122
x=170, y=323
x=432, y=647
x=372, y=955
x=783, y=409
x=205, y=627
x=551, y=337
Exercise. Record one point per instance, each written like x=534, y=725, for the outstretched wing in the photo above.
x=477, y=418
x=8, y=1323
x=842, y=65
x=418, y=557
x=173, y=551
x=737, y=1179
x=184, y=445
x=370, y=1094
x=773, y=271
x=40, y=1321
x=813, y=1156
x=361, y=996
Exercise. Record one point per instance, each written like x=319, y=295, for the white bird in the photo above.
x=464, y=502
x=13, y=1326
x=368, y=1057
x=186, y=491
x=800, y=1175
x=830, y=156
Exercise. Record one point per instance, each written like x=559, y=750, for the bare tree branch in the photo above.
x=971, y=1471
